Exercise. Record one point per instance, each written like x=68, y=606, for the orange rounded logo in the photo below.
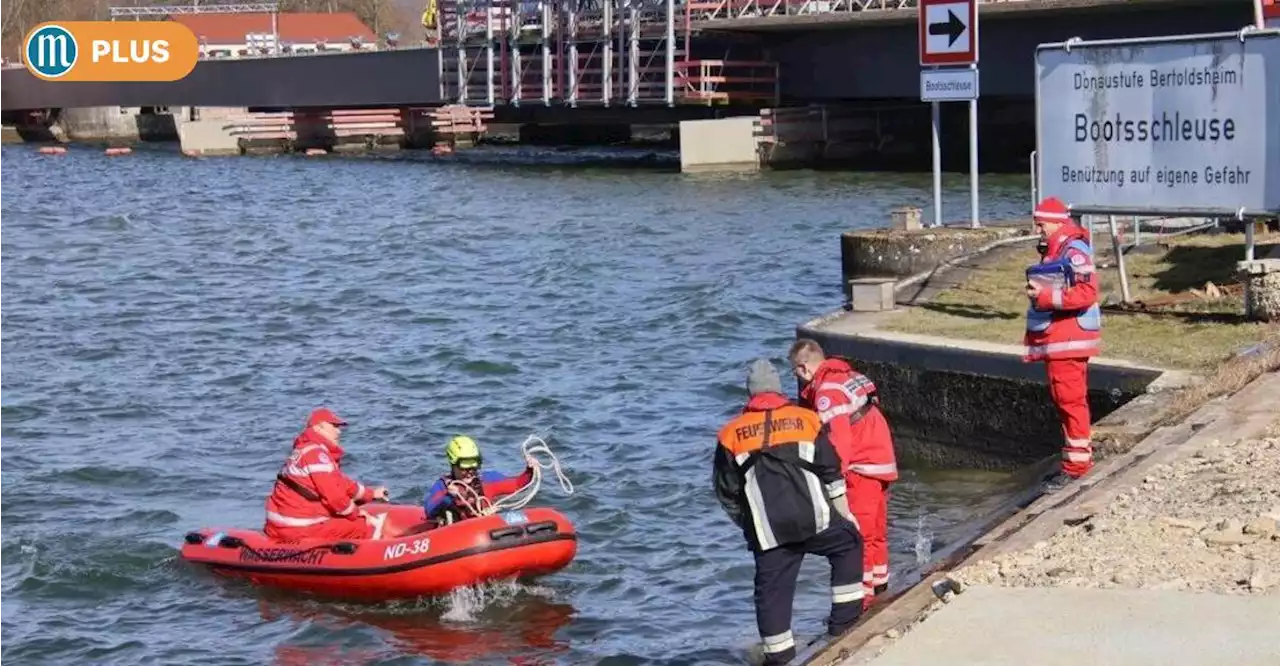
x=110, y=51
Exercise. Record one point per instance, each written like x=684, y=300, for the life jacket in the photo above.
x=459, y=510
x=1055, y=333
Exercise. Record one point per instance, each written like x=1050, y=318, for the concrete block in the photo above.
x=100, y=123
x=1262, y=288
x=872, y=294
x=207, y=137
x=906, y=218
x=901, y=253
x=719, y=144
x=1258, y=267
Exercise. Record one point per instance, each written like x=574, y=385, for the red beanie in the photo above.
x=1051, y=209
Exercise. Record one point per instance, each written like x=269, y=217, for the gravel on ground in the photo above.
x=1209, y=522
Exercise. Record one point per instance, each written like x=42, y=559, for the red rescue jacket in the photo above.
x=845, y=400
x=311, y=488
x=1065, y=321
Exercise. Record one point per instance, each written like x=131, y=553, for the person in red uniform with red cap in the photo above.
x=846, y=402
x=312, y=498
x=1064, y=327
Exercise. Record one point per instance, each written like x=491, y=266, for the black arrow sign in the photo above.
x=952, y=28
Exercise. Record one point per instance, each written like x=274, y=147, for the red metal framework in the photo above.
x=372, y=125
x=588, y=52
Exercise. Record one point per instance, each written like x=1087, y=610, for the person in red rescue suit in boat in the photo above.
x=847, y=403
x=1064, y=327
x=312, y=498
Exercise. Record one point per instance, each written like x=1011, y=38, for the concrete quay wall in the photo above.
x=958, y=405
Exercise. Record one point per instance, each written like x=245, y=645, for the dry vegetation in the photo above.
x=1176, y=322
x=382, y=16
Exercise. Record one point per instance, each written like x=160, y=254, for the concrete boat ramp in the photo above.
x=1001, y=626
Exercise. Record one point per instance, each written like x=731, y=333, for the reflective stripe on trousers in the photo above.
x=1058, y=347
x=882, y=469
x=843, y=594
x=880, y=574
x=1077, y=450
x=286, y=521
x=779, y=642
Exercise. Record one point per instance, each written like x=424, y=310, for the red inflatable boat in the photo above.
x=512, y=544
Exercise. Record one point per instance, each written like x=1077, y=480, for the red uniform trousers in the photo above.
x=869, y=502
x=1069, y=388
x=334, y=528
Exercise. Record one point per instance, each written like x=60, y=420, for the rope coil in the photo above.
x=533, y=446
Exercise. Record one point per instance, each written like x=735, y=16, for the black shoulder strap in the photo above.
x=755, y=455
x=768, y=428
x=305, y=492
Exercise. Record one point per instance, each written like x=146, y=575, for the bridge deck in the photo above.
x=518, y=53
x=808, y=15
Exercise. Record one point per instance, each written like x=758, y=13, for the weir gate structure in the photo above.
x=790, y=77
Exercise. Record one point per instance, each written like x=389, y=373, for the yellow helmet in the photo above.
x=463, y=452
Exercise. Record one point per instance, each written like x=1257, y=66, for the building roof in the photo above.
x=292, y=26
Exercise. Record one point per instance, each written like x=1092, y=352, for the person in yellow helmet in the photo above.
x=445, y=502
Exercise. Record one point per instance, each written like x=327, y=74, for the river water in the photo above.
x=169, y=322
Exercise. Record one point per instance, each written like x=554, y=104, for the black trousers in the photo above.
x=776, y=574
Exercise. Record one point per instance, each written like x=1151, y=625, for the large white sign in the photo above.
x=1161, y=125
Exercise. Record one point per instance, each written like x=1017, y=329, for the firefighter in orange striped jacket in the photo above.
x=1064, y=328
x=778, y=478
x=846, y=401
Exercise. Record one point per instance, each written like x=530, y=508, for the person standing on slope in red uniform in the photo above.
x=1064, y=327
x=846, y=401
x=312, y=498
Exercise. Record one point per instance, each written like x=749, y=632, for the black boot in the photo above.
x=1056, y=482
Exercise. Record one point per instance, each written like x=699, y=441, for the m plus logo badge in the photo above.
x=65, y=51
x=51, y=51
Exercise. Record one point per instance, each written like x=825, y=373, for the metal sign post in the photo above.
x=1175, y=126
x=948, y=31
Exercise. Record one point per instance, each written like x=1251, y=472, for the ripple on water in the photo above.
x=169, y=322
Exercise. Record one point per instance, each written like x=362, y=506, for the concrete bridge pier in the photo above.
x=206, y=131
x=118, y=126
x=210, y=131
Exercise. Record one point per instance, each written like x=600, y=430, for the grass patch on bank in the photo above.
x=1174, y=322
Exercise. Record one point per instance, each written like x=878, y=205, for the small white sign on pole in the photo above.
x=948, y=85
x=1164, y=124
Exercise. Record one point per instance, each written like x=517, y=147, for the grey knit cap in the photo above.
x=762, y=377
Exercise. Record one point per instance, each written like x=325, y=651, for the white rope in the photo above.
x=532, y=446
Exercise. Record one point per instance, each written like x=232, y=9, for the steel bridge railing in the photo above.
x=714, y=10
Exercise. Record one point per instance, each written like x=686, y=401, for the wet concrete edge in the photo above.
x=1241, y=415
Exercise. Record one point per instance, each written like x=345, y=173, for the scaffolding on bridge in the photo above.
x=590, y=53
x=193, y=8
